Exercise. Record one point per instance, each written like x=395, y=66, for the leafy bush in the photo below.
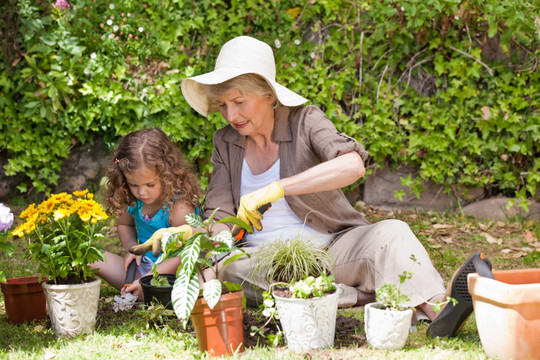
x=447, y=86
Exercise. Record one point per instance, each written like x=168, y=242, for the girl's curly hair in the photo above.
x=150, y=148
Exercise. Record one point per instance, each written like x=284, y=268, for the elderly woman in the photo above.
x=276, y=150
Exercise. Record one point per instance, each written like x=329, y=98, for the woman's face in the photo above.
x=247, y=113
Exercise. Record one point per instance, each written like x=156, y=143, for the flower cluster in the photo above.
x=6, y=221
x=60, y=206
x=61, y=232
x=313, y=287
x=6, y=218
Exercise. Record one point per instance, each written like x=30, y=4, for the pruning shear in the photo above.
x=240, y=234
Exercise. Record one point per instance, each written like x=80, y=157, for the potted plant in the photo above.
x=388, y=320
x=61, y=234
x=157, y=288
x=306, y=298
x=216, y=308
x=23, y=296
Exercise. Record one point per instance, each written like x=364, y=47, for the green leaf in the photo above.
x=195, y=221
x=184, y=295
x=225, y=237
x=212, y=292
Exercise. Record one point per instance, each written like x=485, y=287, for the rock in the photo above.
x=495, y=208
x=84, y=168
x=380, y=186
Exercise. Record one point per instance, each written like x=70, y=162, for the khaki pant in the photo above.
x=365, y=258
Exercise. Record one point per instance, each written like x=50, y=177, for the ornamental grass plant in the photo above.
x=288, y=260
x=62, y=235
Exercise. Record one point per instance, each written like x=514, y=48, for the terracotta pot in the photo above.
x=161, y=294
x=220, y=330
x=386, y=329
x=507, y=313
x=308, y=323
x=72, y=308
x=24, y=299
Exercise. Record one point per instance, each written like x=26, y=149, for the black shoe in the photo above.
x=452, y=317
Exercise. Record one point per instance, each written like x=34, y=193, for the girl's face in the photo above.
x=145, y=185
x=247, y=113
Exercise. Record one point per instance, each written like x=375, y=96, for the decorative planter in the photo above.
x=220, y=330
x=160, y=294
x=507, y=312
x=72, y=308
x=386, y=329
x=308, y=323
x=24, y=299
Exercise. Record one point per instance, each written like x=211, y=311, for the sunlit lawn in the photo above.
x=132, y=335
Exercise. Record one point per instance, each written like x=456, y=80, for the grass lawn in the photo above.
x=151, y=333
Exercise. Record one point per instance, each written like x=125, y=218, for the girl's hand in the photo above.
x=135, y=289
x=128, y=258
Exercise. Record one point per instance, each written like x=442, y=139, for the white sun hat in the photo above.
x=239, y=56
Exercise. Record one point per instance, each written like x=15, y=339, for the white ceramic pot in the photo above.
x=72, y=308
x=386, y=329
x=308, y=323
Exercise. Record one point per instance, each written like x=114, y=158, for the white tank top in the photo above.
x=279, y=222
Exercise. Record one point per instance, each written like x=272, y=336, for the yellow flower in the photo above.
x=29, y=211
x=81, y=194
x=85, y=216
x=19, y=231
x=60, y=214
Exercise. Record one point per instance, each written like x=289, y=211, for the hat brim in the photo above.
x=197, y=98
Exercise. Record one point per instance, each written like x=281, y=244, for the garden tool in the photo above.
x=250, y=203
x=126, y=300
x=452, y=317
x=238, y=232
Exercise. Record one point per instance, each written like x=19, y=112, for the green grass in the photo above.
x=130, y=335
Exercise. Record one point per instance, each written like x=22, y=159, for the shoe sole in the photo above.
x=452, y=318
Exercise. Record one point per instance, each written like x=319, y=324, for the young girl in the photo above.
x=150, y=186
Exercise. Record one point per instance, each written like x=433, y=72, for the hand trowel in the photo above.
x=126, y=300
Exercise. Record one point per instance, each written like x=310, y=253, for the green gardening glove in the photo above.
x=250, y=204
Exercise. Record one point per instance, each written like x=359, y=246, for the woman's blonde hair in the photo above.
x=251, y=83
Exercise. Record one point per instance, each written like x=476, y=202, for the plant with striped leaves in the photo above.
x=202, y=251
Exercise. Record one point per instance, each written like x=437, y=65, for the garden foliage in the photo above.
x=450, y=87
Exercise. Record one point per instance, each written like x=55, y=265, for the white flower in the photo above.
x=456, y=17
x=278, y=43
x=269, y=303
x=93, y=55
x=111, y=36
x=115, y=28
x=111, y=6
x=312, y=55
x=109, y=22
x=140, y=28
x=268, y=312
x=87, y=72
x=402, y=8
x=293, y=64
x=6, y=217
x=297, y=41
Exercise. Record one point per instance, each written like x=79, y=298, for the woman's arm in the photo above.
x=329, y=175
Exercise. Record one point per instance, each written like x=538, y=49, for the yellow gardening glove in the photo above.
x=154, y=242
x=250, y=204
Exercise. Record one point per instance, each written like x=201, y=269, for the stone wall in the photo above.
x=87, y=165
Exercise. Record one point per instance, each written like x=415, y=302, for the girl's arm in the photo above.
x=178, y=213
x=127, y=233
